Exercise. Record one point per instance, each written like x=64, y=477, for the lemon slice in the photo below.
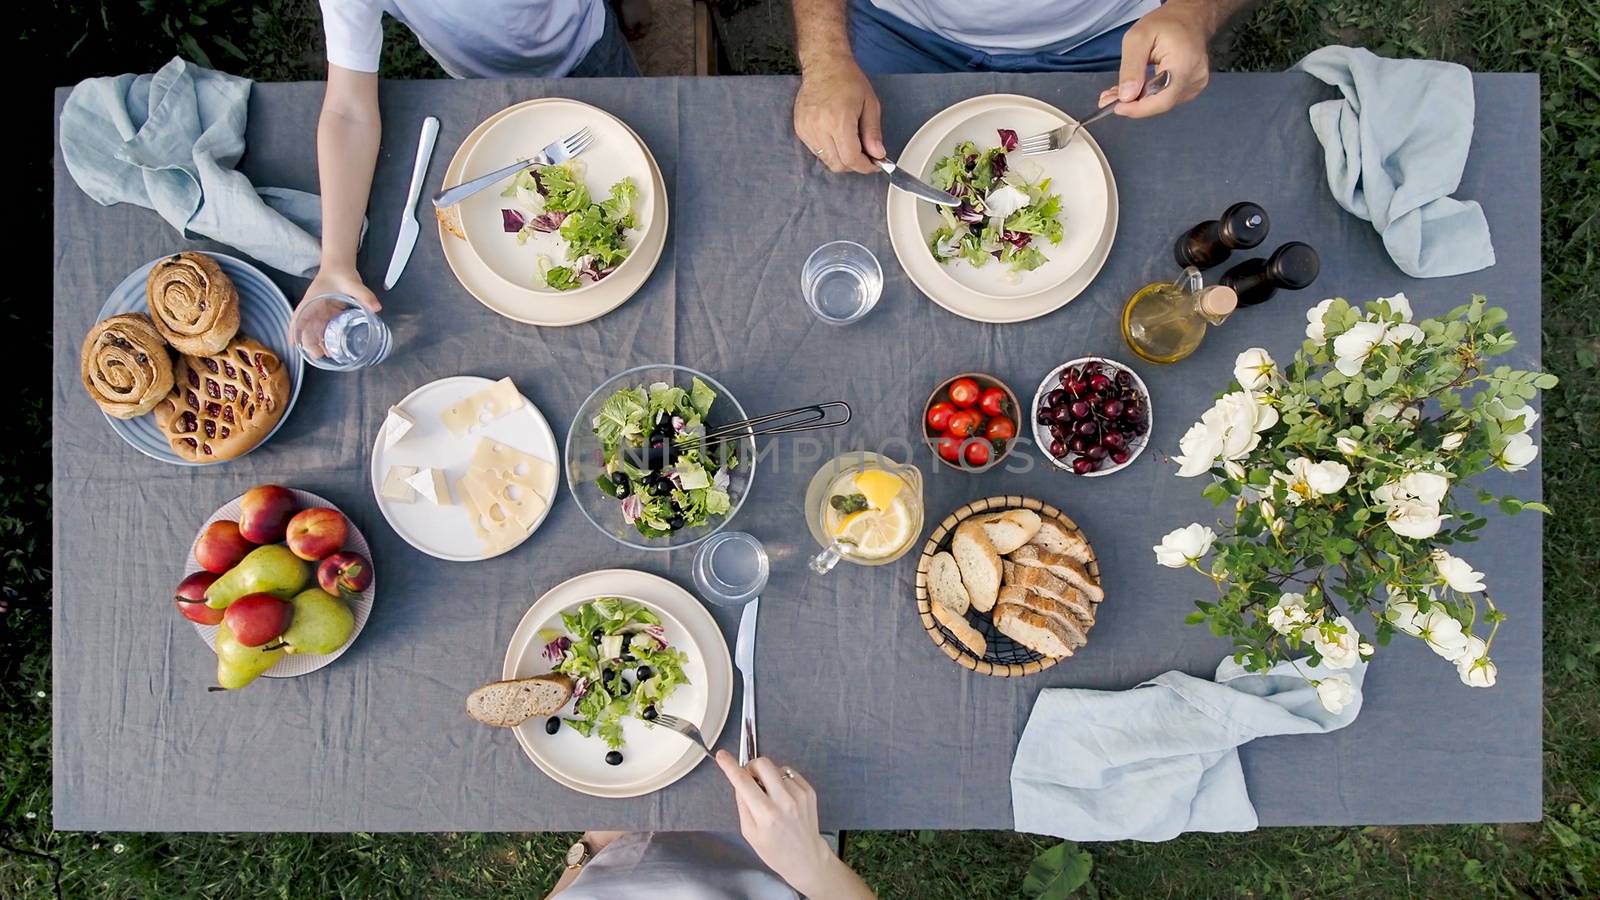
x=879, y=487
x=876, y=533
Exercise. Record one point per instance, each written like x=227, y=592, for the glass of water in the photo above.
x=731, y=568
x=841, y=281
x=333, y=331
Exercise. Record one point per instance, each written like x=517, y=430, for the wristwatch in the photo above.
x=577, y=855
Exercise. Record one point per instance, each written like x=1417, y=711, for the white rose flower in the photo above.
x=1519, y=450
x=1254, y=369
x=1395, y=335
x=1442, y=632
x=1234, y=471
x=1528, y=415
x=1289, y=614
x=1452, y=441
x=1200, y=446
x=1414, y=519
x=1183, y=546
x=1315, y=330
x=1338, y=643
x=1229, y=430
x=1400, y=305
x=1402, y=614
x=1308, y=480
x=1474, y=665
x=1348, y=446
x=1268, y=511
x=1456, y=572
x=1335, y=693
x=1390, y=411
x=1366, y=649
x=1352, y=348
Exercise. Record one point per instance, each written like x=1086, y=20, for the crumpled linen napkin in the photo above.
x=1395, y=147
x=1158, y=760
x=169, y=142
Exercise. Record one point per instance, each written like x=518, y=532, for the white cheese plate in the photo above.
x=446, y=531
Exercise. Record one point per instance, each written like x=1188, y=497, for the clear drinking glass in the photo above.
x=731, y=568
x=333, y=331
x=841, y=282
x=863, y=508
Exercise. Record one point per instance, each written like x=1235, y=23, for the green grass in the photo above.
x=1559, y=856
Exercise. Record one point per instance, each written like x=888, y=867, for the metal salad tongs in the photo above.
x=656, y=455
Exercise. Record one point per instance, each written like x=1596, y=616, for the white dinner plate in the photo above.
x=446, y=532
x=613, y=155
x=1079, y=173
x=653, y=757
x=293, y=664
x=524, y=304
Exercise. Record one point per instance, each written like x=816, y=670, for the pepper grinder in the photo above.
x=1290, y=267
x=1240, y=227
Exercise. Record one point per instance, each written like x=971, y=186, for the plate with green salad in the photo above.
x=634, y=646
x=563, y=229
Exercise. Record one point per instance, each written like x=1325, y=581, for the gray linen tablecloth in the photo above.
x=852, y=692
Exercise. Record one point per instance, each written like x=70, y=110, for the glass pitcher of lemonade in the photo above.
x=864, y=508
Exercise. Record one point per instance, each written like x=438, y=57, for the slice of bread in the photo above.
x=1033, y=630
x=1076, y=629
x=957, y=624
x=1010, y=529
x=1057, y=538
x=979, y=563
x=505, y=704
x=1046, y=584
x=944, y=584
x=1061, y=566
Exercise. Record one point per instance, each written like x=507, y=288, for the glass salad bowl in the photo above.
x=587, y=461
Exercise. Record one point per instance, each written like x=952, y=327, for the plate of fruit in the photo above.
x=278, y=583
x=1092, y=416
x=970, y=421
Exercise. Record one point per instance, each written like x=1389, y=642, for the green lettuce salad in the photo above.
x=621, y=665
x=554, y=199
x=685, y=483
x=1003, y=214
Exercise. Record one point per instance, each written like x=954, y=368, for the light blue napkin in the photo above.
x=1158, y=760
x=1395, y=147
x=169, y=142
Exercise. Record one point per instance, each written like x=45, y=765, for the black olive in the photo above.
x=644, y=673
x=661, y=487
x=676, y=522
x=596, y=635
x=620, y=485
x=629, y=657
x=650, y=713
x=606, y=675
x=614, y=758
x=624, y=688
x=552, y=725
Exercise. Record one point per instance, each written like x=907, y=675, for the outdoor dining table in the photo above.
x=853, y=693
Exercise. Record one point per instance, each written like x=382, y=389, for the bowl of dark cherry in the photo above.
x=1092, y=416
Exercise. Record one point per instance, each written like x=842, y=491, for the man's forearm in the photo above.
x=348, y=134
x=1215, y=13
x=820, y=31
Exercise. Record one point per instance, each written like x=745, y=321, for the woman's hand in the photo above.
x=778, y=818
x=339, y=280
x=836, y=114
x=1173, y=39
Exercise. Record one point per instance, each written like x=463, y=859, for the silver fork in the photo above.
x=558, y=152
x=1060, y=137
x=684, y=728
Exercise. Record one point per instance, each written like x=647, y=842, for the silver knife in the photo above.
x=406, y=241
x=913, y=185
x=744, y=656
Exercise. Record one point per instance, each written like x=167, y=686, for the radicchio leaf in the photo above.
x=1008, y=139
x=512, y=220
x=548, y=221
x=997, y=164
x=966, y=213
x=1018, y=239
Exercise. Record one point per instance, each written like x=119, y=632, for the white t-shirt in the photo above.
x=470, y=38
x=1017, y=26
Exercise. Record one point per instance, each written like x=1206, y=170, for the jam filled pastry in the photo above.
x=194, y=303
x=125, y=365
x=224, y=404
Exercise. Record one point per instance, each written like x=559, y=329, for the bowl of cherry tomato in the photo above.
x=970, y=421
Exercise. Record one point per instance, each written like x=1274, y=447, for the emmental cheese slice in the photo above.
x=431, y=485
x=396, y=426
x=493, y=525
x=483, y=407
x=503, y=499
x=513, y=466
x=394, y=484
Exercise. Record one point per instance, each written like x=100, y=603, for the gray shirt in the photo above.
x=678, y=865
x=1018, y=26
x=470, y=38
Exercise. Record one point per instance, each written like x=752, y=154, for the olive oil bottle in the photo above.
x=1165, y=322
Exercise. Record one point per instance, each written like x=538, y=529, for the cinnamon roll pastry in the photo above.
x=193, y=303
x=125, y=366
x=224, y=404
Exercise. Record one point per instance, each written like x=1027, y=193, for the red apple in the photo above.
x=190, y=598
x=344, y=573
x=256, y=619
x=265, y=511
x=221, y=546
x=317, y=533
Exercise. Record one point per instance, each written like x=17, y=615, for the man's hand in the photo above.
x=836, y=114
x=341, y=280
x=1172, y=38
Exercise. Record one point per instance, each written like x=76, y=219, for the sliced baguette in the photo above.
x=1033, y=630
x=1074, y=625
x=1046, y=584
x=1057, y=538
x=957, y=624
x=979, y=563
x=1010, y=529
x=505, y=704
x=1061, y=566
x=944, y=584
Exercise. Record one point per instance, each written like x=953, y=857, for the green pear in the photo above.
x=238, y=665
x=321, y=623
x=271, y=569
